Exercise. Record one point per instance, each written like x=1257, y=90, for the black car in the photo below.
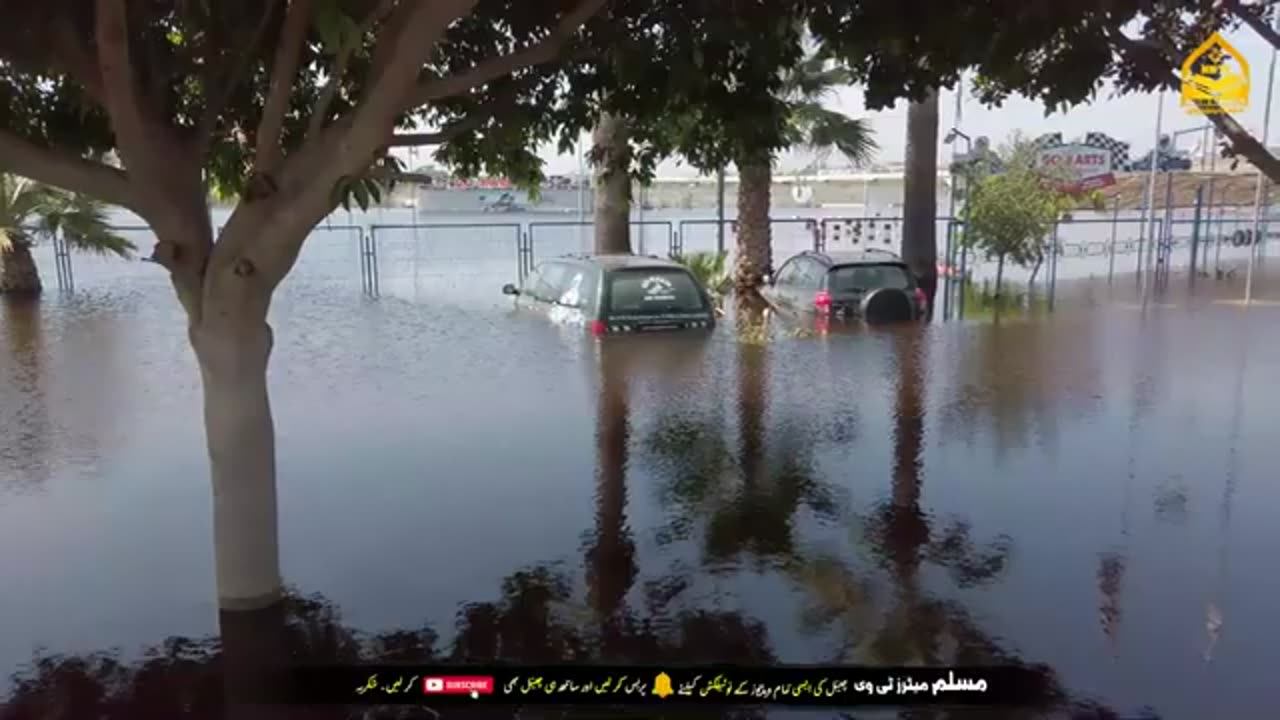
x=875, y=285
x=615, y=294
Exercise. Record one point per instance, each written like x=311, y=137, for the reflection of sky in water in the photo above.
x=428, y=451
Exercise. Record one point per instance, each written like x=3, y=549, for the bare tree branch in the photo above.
x=66, y=171
x=321, y=110
x=119, y=86
x=539, y=53
x=217, y=99
x=1155, y=60
x=1253, y=20
x=442, y=136
x=505, y=99
x=79, y=63
x=348, y=147
x=297, y=23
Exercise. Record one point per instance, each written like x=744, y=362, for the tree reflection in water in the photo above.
x=28, y=431
x=748, y=500
x=184, y=677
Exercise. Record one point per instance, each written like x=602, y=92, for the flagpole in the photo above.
x=1257, y=192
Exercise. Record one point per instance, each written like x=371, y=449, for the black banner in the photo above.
x=718, y=685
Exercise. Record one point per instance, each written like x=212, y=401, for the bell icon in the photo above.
x=662, y=685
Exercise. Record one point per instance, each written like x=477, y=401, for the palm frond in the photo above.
x=821, y=128
x=84, y=224
x=708, y=268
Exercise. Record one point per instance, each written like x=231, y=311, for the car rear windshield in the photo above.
x=860, y=278
x=657, y=291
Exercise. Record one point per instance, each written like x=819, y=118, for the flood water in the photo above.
x=1095, y=491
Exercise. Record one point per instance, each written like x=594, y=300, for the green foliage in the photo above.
x=710, y=269
x=704, y=79
x=1056, y=52
x=30, y=211
x=1010, y=213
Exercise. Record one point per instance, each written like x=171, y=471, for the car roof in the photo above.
x=855, y=257
x=620, y=261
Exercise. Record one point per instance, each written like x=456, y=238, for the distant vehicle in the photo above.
x=873, y=285
x=1167, y=162
x=616, y=294
x=505, y=203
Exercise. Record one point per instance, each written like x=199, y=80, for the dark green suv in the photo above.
x=874, y=285
x=615, y=294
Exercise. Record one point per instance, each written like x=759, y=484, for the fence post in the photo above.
x=964, y=269
x=375, y=283
x=946, y=265
x=720, y=212
x=1195, y=231
x=1053, y=266
x=1217, y=250
x=62, y=262
x=1111, y=261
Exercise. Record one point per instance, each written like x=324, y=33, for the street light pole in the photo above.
x=950, y=139
x=1148, y=214
x=1257, y=193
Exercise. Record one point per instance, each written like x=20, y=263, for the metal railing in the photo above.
x=1210, y=240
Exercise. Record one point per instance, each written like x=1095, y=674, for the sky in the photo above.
x=1131, y=118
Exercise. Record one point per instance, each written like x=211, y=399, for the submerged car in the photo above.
x=874, y=285
x=616, y=294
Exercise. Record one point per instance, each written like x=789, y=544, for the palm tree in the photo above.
x=809, y=125
x=30, y=212
x=920, y=194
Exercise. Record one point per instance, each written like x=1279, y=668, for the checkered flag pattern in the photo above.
x=1119, y=150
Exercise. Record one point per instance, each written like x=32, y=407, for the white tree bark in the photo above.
x=233, y=351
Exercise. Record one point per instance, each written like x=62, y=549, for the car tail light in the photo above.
x=822, y=300
x=598, y=328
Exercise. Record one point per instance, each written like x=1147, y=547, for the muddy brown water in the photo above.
x=1095, y=491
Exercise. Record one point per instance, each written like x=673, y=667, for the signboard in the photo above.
x=1082, y=167
x=1210, y=85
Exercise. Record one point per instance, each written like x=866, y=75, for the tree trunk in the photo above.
x=233, y=347
x=755, y=242
x=999, y=277
x=18, y=272
x=613, y=186
x=920, y=195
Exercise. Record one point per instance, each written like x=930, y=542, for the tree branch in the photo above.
x=1149, y=53
x=66, y=171
x=297, y=22
x=217, y=100
x=539, y=53
x=81, y=66
x=1253, y=20
x=320, y=112
x=119, y=87
x=486, y=112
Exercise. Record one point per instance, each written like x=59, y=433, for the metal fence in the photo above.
x=466, y=261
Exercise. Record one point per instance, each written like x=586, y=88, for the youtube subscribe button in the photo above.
x=458, y=685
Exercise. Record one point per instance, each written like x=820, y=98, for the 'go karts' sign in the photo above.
x=1080, y=167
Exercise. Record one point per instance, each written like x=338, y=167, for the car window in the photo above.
x=811, y=274
x=571, y=291
x=653, y=292
x=788, y=274
x=550, y=275
x=851, y=278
